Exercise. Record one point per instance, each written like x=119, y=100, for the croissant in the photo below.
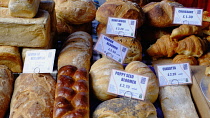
x=204, y=59
x=185, y=59
x=163, y=47
x=184, y=30
x=192, y=46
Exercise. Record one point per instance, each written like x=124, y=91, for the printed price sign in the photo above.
x=188, y=16
x=174, y=74
x=111, y=48
x=123, y=83
x=122, y=27
x=39, y=61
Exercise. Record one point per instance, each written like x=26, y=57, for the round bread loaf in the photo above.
x=140, y=68
x=100, y=73
x=160, y=14
x=75, y=11
x=120, y=9
x=125, y=108
x=185, y=59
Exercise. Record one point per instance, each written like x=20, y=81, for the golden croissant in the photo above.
x=185, y=59
x=204, y=59
x=163, y=47
x=183, y=31
x=192, y=46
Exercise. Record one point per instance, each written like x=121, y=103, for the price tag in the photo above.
x=39, y=61
x=188, y=16
x=174, y=74
x=122, y=82
x=111, y=48
x=122, y=27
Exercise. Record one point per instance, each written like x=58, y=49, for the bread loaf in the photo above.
x=6, y=89
x=185, y=59
x=192, y=46
x=75, y=11
x=160, y=14
x=33, y=96
x=120, y=9
x=76, y=51
x=72, y=93
x=139, y=68
x=4, y=3
x=24, y=32
x=163, y=47
x=23, y=8
x=100, y=73
x=125, y=108
x=10, y=56
x=176, y=102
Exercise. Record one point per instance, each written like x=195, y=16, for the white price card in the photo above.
x=128, y=84
x=188, y=16
x=39, y=61
x=111, y=48
x=121, y=27
x=174, y=74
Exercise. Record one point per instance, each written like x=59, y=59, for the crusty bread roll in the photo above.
x=185, y=59
x=23, y=8
x=4, y=3
x=76, y=11
x=163, y=47
x=120, y=9
x=160, y=14
x=100, y=73
x=204, y=59
x=72, y=93
x=76, y=51
x=33, y=96
x=139, y=2
x=125, y=108
x=6, y=85
x=176, y=102
x=137, y=67
x=10, y=56
x=183, y=31
x=192, y=46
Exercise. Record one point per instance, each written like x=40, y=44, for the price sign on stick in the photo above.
x=188, y=16
x=121, y=27
x=39, y=61
x=128, y=84
x=111, y=48
x=174, y=74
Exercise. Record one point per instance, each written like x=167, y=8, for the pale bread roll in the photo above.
x=23, y=8
x=137, y=67
x=100, y=73
x=176, y=102
x=6, y=89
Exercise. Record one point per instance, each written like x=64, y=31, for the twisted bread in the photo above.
x=72, y=93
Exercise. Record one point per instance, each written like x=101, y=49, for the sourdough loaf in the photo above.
x=160, y=14
x=10, y=56
x=6, y=89
x=72, y=93
x=25, y=32
x=125, y=108
x=139, y=68
x=33, y=96
x=76, y=51
x=75, y=11
x=100, y=73
x=176, y=102
x=23, y=8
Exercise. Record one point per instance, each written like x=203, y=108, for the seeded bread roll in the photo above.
x=6, y=85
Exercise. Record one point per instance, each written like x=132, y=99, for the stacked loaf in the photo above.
x=72, y=93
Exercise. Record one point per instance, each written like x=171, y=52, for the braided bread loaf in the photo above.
x=72, y=93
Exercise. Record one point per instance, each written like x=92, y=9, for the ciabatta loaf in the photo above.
x=33, y=96
x=6, y=89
